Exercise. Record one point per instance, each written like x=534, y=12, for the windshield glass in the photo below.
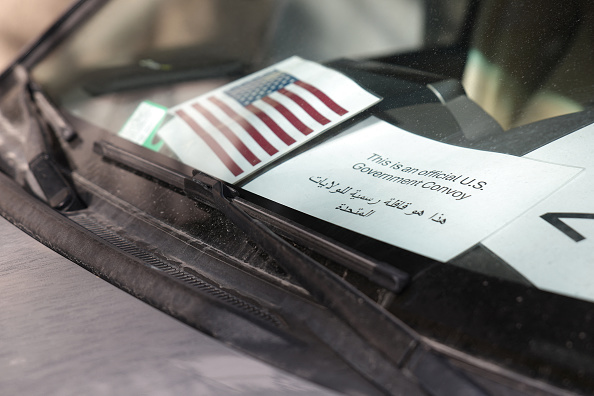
x=408, y=122
x=176, y=50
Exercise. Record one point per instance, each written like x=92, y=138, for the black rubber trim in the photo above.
x=149, y=259
x=190, y=305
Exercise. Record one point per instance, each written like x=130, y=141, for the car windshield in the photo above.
x=414, y=175
x=453, y=130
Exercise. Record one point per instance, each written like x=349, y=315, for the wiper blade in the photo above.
x=382, y=274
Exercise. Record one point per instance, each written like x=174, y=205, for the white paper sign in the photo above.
x=421, y=195
x=552, y=244
x=231, y=132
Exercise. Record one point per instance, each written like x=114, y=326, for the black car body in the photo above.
x=318, y=300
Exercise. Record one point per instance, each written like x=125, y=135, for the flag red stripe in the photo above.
x=301, y=127
x=313, y=113
x=249, y=128
x=332, y=105
x=214, y=146
x=228, y=133
x=278, y=131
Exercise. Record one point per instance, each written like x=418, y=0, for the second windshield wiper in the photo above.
x=28, y=152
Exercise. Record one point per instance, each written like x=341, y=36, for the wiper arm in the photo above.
x=50, y=114
x=32, y=145
x=399, y=344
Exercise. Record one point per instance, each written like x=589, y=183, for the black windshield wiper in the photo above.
x=381, y=273
x=399, y=348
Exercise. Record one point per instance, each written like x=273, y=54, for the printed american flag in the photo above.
x=249, y=123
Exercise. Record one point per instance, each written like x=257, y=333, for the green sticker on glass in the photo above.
x=143, y=124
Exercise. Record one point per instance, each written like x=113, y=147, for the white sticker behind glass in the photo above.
x=552, y=244
x=231, y=132
x=424, y=196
